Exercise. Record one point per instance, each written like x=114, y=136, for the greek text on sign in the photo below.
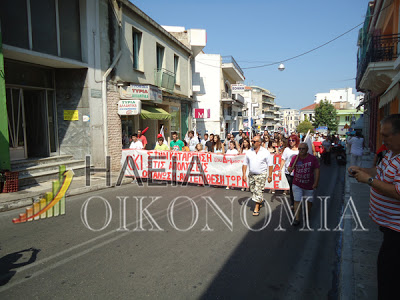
x=141, y=92
x=237, y=88
x=217, y=169
x=129, y=107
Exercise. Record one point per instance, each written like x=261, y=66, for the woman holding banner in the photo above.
x=289, y=152
x=217, y=145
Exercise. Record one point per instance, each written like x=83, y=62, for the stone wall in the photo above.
x=114, y=127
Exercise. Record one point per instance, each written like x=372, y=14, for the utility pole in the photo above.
x=4, y=142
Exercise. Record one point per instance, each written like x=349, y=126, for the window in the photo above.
x=347, y=118
x=160, y=56
x=176, y=69
x=136, y=40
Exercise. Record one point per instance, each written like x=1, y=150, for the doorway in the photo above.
x=37, y=139
x=31, y=122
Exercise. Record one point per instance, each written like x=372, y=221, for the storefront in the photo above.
x=31, y=111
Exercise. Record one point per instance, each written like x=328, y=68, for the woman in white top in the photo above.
x=356, y=149
x=217, y=145
x=243, y=150
x=245, y=146
x=287, y=156
x=231, y=150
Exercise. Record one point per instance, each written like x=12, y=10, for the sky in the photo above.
x=267, y=31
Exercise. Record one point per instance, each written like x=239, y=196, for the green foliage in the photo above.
x=304, y=126
x=325, y=115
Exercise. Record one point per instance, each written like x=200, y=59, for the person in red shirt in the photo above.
x=142, y=138
x=318, y=148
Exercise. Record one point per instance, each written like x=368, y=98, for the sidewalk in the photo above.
x=359, y=248
x=25, y=196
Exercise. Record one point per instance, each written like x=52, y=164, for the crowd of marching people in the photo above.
x=300, y=158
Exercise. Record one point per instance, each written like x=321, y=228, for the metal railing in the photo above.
x=230, y=60
x=380, y=48
x=164, y=79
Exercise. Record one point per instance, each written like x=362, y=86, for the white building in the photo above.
x=308, y=112
x=339, y=95
x=212, y=79
x=291, y=119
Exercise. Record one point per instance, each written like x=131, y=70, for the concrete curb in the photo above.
x=346, y=276
x=28, y=200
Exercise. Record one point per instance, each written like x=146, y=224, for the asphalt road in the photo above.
x=197, y=251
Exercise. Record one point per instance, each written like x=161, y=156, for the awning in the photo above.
x=391, y=92
x=359, y=123
x=154, y=113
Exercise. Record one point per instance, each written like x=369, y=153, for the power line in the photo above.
x=309, y=51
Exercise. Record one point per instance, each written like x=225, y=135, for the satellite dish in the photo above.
x=281, y=67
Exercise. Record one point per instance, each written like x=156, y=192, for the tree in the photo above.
x=304, y=126
x=325, y=115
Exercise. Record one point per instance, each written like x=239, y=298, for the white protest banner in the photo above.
x=219, y=169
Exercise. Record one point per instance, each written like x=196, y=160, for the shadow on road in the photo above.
x=9, y=263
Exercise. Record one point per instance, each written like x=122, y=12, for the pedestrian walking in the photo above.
x=160, y=143
x=384, y=208
x=326, y=154
x=218, y=147
x=305, y=180
x=176, y=144
x=287, y=156
x=193, y=141
x=260, y=164
x=356, y=145
x=136, y=143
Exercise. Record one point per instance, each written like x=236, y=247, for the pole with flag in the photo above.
x=162, y=133
x=308, y=141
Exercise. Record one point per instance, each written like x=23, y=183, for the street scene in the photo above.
x=199, y=153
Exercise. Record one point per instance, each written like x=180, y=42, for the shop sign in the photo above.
x=71, y=115
x=237, y=88
x=141, y=92
x=129, y=107
x=201, y=113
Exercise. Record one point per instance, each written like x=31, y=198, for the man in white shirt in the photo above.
x=136, y=143
x=193, y=141
x=260, y=164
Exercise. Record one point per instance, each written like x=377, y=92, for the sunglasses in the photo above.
x=255, y=141
x=292, y=140
x=302, y=148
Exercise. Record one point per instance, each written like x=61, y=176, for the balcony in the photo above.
x=268, y=116
x=164, y=79
x=231, y=67
x=239, y=98
x=226, y=97
x=382, y=51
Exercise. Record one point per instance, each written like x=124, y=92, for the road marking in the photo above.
x=77, y=255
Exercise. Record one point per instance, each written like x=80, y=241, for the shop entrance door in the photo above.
x=36, y=129
x=16, y=123
x=28, y=112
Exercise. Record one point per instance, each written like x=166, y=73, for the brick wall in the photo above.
x=114, y=127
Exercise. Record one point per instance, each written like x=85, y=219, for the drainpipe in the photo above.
x=104, y=79
x=104, y=96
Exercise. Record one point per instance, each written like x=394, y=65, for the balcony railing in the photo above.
x=164, y=79
x=381, y=48
x=231, y=60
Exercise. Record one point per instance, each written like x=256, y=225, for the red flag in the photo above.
x=144, y=130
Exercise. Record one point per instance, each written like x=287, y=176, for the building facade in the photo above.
x=378, y=66
x=291, y=119
x=307, y=113
x=53, y=80
x=213, y=76
x=339, y=95
x=264, y=111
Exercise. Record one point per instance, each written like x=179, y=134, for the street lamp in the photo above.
x=281, y=67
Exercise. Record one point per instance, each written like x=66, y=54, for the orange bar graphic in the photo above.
x=22, y=218
x=36, y=209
